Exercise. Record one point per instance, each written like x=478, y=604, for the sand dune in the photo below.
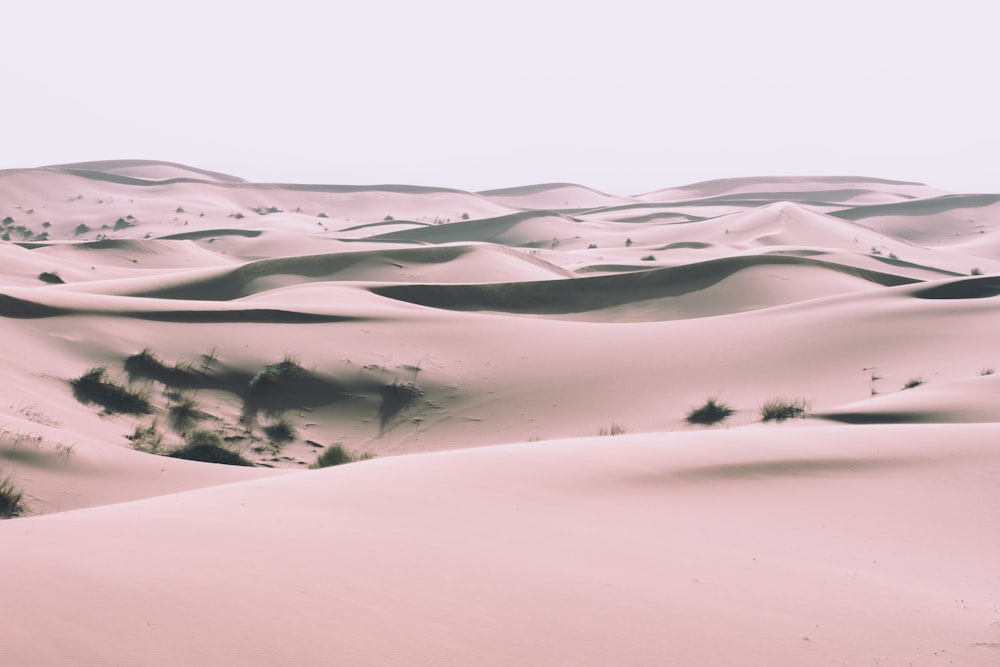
x=838, y=187
x=445, y=333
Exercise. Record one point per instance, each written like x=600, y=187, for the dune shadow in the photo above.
x=971, y=288
x=787, y=468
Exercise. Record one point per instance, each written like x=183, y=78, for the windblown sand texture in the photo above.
x=479, y=345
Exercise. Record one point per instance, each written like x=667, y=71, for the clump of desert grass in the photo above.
x=396, y=398
x=12, y=502
x=713, y=411
x=147, y=438
x=184, y=413
x=781, y=409
x=207, y=446
x=614, y=429
x=913, y=382
x=336, y=455
x=94, y=387
x=280, y=432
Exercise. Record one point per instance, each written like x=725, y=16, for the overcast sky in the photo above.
x=625, y=96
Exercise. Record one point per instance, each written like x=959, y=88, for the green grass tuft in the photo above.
x=207, y=446
x=614, y=429
x=336, y=455
x=712, y=412
x=780, y=409
x=280, y=432
x=12, y=501
x=95, y=387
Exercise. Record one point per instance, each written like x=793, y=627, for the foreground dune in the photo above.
x=781, y=546
x=457, y=329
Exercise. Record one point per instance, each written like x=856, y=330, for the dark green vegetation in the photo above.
x=336, y=455
x=12, y=501
x=712, y=412
x=50, y=277
x=94, y=387
x=207, y=446
x=780, y=409
x=263, y=407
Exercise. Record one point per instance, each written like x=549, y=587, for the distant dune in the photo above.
x=749, y=421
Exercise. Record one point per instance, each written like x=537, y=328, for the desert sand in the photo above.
x=517, y=366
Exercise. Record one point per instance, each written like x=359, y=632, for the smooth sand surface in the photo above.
x=484, y=347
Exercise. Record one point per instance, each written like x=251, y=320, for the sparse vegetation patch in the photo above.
x=12, y=501
x=50, y=277
x=712, y=412
x=94, y=386
x=780, y=409
x=614, y=429
x=280, y=432
x=207, y=446
x=336, y=455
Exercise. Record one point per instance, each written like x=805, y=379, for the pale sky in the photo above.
x=625, y=96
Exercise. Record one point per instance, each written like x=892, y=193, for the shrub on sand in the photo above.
x=146, y=438
x=336, y=455
x=95, y=387
x=280, y=432
x=11, y=498
x=51, y=277
x=780, y=409
x=286, y=369
x=712, y=412
x=207, y=446
x=913, y=382
x=614, y=429
x=184, y=413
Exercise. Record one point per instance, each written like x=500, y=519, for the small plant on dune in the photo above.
x=209, y=359
x=336, y=455
x=12, y=501
x=207, y=446
x=396, y=397
x=280, y=432
x=649, y=258
x=592, y=246
x=237, y=216
x=95, y=387
x=322, y=215
x=81, y=229
x=628, y=243
x=987, y=371
x=388, y=218
x=712, y=412
x=287, y=368
x=913, y=382
x=184, y=413
x=260, y=210
x=614, y=429
x=146, y=438
x=780, y=409
x=976, y=272
x=465, y=216
x=51, y=277
x=179, y=209
x=122, y=223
